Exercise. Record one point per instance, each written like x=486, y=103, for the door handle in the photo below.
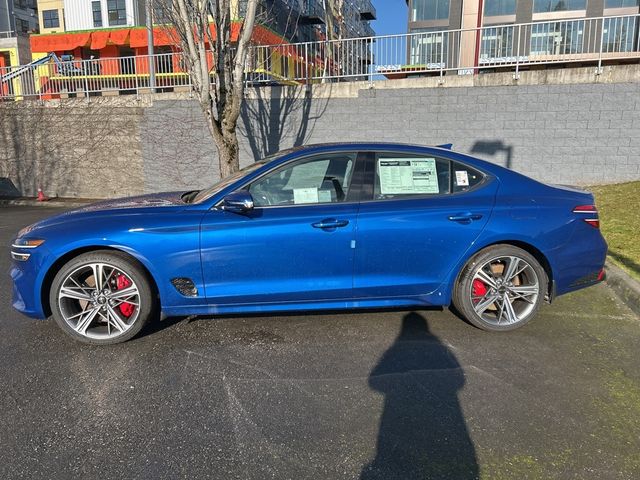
x=328, y=223
x=465, y=217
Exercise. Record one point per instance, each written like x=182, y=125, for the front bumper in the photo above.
x=27, y=278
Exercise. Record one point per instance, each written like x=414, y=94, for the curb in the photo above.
x=29, y=202
x=627, y=288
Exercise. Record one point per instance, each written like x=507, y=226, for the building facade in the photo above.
x=517, y=28
x=89, y=15
x=51, y=16
x=18, y=17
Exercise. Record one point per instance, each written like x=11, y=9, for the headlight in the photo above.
x=27, y=242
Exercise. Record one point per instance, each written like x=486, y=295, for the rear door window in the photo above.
x=402, y=176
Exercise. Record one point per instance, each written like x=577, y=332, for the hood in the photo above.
x=129, y=205
x=167, y=199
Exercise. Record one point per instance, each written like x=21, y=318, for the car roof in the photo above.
x=444, y=150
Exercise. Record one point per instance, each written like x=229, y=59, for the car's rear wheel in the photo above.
x=101, y=297
x=500, y=288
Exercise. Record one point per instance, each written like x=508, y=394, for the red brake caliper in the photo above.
x=123, y=282
x=479, y=290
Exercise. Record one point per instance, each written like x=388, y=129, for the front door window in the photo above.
x=322, y=179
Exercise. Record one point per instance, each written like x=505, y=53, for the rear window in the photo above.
x=463, y=177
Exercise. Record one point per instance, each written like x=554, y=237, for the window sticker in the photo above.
x=406, y=176
x=462, y=178
x=305, y=195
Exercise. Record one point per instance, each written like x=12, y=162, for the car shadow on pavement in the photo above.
x=422, y=431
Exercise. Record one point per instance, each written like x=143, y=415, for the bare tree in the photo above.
x=203, y=29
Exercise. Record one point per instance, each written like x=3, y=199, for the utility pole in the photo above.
x=152, y=63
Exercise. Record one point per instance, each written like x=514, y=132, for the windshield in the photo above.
x=225, y=182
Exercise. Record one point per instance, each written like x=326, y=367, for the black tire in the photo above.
x=468, y=296
x=122, y=265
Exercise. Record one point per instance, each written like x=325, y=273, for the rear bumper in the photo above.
x=580, y=263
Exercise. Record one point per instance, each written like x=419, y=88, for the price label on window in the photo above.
x=400, y=176
x=462, y=178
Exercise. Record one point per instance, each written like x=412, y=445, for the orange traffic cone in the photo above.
x=41, y=197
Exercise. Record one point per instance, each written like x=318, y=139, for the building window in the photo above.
x=50, y=19
x=544, y=6
x=621, y=3
x=496, y=45
x=24, y=4
x=117, y=12
x=557, y=38
x=620, y=34
x=429, y=48
x=429, y=10
x=499, y=7
x=22, y=26
x=96, y=9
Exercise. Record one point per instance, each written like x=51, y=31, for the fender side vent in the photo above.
x=185, y=286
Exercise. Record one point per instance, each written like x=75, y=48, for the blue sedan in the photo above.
x=336, y=226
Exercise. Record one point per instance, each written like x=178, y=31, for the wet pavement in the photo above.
x=371, y=395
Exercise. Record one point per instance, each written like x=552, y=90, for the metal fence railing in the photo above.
x=585, y=41
x=513, y=46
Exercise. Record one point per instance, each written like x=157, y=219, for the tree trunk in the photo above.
x=220, y=89
x=228, y=153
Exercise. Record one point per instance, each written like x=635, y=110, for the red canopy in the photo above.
x=162, y=36
x=59, y=42
x=99, y=39
x=119, y=37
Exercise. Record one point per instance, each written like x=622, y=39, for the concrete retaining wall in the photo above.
x=578, y=133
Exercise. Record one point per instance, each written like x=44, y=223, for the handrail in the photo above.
x=505, y=47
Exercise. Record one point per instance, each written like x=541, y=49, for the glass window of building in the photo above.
x=496, y=45
x=544, y=6
x=96, y=10
x=429, y=10
x=621, y=3
x=22, y=26
x=619, y=34
x=499, y=7
x=50, y=19
x=557, y=38
x=429, y=47
x=117, y=12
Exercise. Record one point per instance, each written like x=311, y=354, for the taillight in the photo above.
x=590, y=213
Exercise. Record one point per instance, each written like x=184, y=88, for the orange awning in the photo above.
x=99, y=39
x=119, y=37
x=162, y=36
x=59, y=42
x=264, y=36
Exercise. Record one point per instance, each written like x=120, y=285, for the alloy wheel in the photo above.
x=504, y=290
x=99, y=301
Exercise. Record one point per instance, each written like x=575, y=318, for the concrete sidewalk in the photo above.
x=625, y=286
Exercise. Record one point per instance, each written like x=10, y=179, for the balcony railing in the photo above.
x=514, y=47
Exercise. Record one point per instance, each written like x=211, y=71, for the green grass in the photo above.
x=619, y=207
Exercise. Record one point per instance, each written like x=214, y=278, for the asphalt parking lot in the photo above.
x=371, y=395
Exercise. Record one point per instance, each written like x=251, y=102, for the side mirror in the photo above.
x=239, y=201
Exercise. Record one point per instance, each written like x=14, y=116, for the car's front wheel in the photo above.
x=101, y=297
x=500, y=288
